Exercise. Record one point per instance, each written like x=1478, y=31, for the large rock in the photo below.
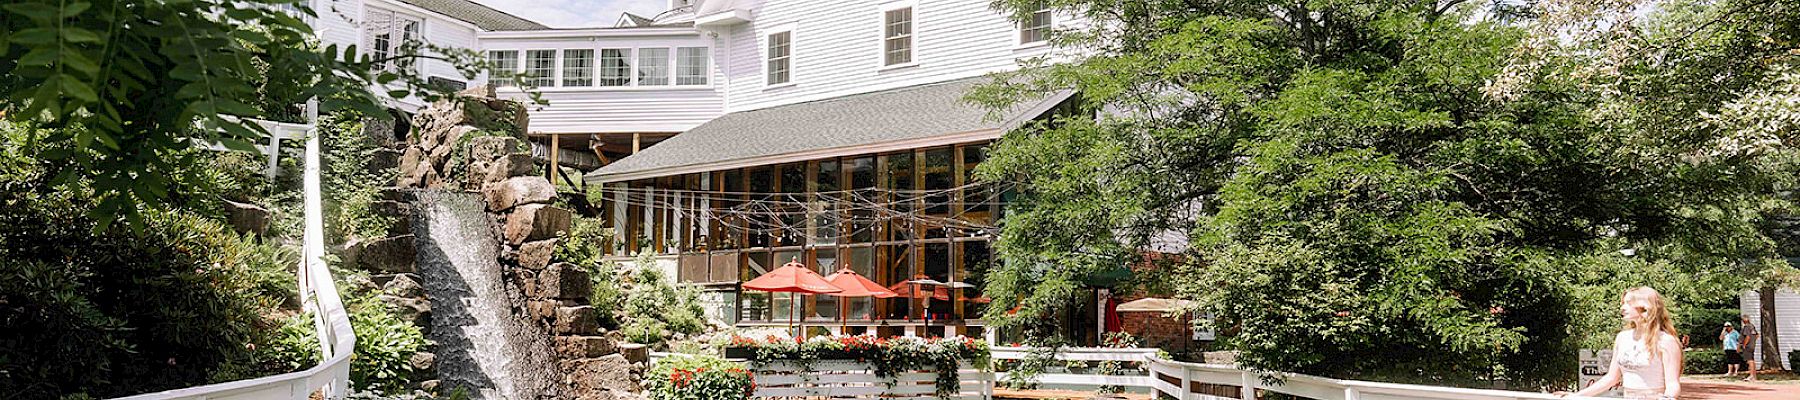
x=413, y=168
x=564, y=281
x=491, y=148
x=404, y=285
x=416, y=311
x=505, y=195
x=570, y=347
x=512, y=165
x=424, y=362
x=247, y=218
x=533, y=222
x=400, y=212
x=578, y=320
x=599, y=378
x=384, y=159
x=635, y=353
x=389, y=255
x=536, y=254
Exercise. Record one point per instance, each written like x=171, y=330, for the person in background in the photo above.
x=1646, y=354
x=1750, y=347
x=1731, y=339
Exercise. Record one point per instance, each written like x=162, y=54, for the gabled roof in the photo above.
x=908, y=117
x=481, y=16
x=633, y=20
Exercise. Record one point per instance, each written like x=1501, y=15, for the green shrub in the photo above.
x=607, y=296
x=657, y=311
x=584, y=243
x=349, y=186
x=385, y=345
x=699, y=378
x=1702, y=325
x=1703, y=361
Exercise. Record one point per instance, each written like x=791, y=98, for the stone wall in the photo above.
x=475, y=144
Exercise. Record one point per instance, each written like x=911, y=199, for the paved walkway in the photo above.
x=1715, y=390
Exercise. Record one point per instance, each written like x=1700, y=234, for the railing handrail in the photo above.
x=318, y=294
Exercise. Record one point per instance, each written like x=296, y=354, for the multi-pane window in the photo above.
x=1037, y=27
x=540, y=67
x=653, y=67
x=691, y=65
x=387, y=35
x=780, y=44
x=505, y=63
x=578, y=67
x=897, y=38
x=615, y=67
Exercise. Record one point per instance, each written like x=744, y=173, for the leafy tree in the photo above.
x=134, y=82
x=1373, y=189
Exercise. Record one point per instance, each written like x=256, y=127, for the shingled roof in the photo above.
x=484, y=17
x=821, y=129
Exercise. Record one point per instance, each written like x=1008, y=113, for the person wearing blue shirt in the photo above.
x=1732, y=339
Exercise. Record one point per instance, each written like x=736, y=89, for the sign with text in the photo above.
x=1593, y=366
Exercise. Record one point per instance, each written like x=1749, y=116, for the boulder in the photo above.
x=512, y=165
x=389, y=255
x=584, y=346
x=247, y=218
x=413, y=168
x=384, y=159
x=404, y=285
x=488, y=149
x=591, y=378
x=430, y=386
x=505, y=195
x=536, y=222
x=542, y=309
x=578, y=320
x=416, y=311
x=423, y=362
x=536, y=254
x=635, y=353
x=564, y=281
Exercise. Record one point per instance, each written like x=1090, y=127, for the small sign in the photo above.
x=1205, y=332
x=1593, y=366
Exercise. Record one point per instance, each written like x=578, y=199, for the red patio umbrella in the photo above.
x=793, y=278
x=854, y=285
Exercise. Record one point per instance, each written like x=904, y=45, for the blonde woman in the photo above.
x=1647, y=354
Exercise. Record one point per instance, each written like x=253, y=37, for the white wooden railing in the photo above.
x=319, y=296
x=1195, y=381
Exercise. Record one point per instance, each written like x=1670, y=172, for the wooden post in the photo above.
x=555, y=147
x=637, y=142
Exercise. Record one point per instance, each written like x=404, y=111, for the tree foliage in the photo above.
x=134, y=82
x=1375, y=189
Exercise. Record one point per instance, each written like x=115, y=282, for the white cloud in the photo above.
x=577, y=13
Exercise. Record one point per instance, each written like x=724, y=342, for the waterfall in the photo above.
x=481, y=344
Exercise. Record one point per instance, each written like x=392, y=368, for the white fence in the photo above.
x=1194, y=381
x=319, y=294
x=845, y=378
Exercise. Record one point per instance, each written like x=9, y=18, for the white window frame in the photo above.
x=764, y=40
x=562, y=65
x=706, y=69
x=518, y=61
x=1044, y=39
x=631, y=54
x=637, y=71
x=396, y=37
x=912, y=46
x=555, y=67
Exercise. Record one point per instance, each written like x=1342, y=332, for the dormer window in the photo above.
x=897, y=35
x=1036, y=28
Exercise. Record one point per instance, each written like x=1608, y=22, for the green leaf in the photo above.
x=78, y=35
x=73, y=9
x=399, y=94
x=35, y=11
x=34, y=36
x=77, y=88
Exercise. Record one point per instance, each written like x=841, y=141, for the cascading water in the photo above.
x=481, y=345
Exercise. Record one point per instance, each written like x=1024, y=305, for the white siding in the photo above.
x=619, y=109
x=1787, y=315
x=837, y=48
x=334, y=24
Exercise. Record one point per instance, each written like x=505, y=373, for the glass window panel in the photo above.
x=540, y=67
x=615, y=67
x=728, y=232
x=899, y=267
x=898, y=43
x=861, y=260
x=862, y=176
x=940, y=178
x=653, y=67
x=900, y=184
x=780, y=47
x=1037, y=27
x=578, y=67
x=977, y=260
x=691, y=65
x=760, y=182
x=936, y=266
x=826, y=263
x=504, y=63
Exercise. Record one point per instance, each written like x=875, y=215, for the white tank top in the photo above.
x=1641, y=371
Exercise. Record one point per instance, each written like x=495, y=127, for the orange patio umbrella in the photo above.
x=855, y=285
x=793, y=278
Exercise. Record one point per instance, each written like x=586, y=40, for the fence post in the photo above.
x=1249, y=388
x=1187, y=383
x=1350, y=393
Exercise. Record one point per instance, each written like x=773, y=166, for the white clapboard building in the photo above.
x=1787, y=317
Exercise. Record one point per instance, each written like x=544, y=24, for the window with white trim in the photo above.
x=780, y=55
x=897, y=36
x=540, y=67
x=653, y=66
x=1037, y=27
x=504, y=63
x=387, y=34
x=578, y=68
x=691, y=65
x=615, y=67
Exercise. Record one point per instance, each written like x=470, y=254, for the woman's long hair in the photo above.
x=1656, y=317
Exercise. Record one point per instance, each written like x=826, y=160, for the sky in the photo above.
x=577, y=13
